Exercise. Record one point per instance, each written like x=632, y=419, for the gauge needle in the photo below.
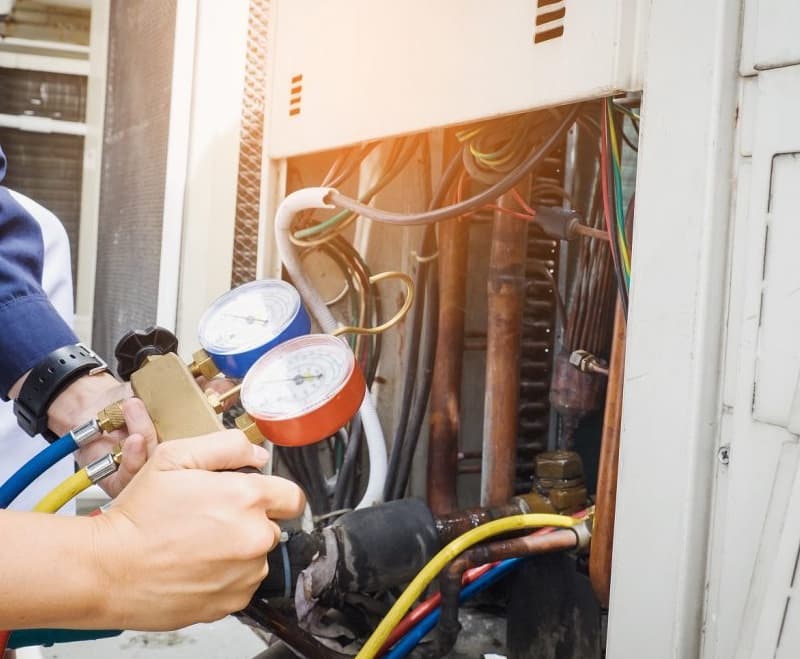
x=297, y=379
x=249, y=319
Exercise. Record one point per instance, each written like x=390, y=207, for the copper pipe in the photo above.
x=284, y=626
x=506, y=300
x=446, y=385
x=450, y=581
x=603, y=531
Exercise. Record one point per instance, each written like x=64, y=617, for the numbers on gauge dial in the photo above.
x=295, y=381
x=249, y=316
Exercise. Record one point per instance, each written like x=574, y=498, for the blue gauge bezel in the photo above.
x=236, y=364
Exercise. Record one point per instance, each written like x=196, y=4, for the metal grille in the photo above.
x=538, y=333
x=48, y=168
x=140, y=54
x=248, y=190
x=36, y=93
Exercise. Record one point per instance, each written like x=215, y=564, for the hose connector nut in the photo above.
x=101, y=468
x=86, y=432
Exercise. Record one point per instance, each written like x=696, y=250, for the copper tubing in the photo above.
x=451, y=526
x=605, y=505
x=446, y=386
x=285, y=627
x=506, y=301
x=450, y=581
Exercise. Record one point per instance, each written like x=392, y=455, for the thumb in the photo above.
x=226, y=449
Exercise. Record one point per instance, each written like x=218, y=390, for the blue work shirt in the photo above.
x=30, y=327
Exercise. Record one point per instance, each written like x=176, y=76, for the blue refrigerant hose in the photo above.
x=35, y=467
x=408, y=642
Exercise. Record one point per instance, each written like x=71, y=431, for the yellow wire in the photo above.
x=438, y=563
x=64, y=492
x=626, y=259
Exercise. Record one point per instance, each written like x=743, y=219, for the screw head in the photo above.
x=724, y=454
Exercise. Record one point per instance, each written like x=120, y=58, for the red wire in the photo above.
x=4, y=636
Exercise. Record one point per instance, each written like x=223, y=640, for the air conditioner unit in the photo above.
x=355, y=70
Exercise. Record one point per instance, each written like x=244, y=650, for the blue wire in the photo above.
x=35, y=467
x=414, y=635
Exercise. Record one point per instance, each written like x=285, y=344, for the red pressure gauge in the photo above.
x=303, y=390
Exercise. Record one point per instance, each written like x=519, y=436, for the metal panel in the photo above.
x=778, y=363
x=361, y=69
x=133, y=168
x=675, y=330
x=770, y=35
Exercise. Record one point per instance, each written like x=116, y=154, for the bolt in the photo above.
x=724, y=454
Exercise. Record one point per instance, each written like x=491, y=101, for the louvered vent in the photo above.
x=295, y=95
x=549, y=20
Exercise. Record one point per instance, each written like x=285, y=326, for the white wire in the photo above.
x=297, y=201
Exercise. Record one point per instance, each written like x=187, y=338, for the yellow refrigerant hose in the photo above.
x=447, y=554
x=78, y=482
x=64, y=492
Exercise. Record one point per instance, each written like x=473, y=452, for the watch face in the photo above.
x=297, y=377
x=249, y=316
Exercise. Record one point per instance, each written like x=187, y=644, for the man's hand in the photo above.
x=186, y=542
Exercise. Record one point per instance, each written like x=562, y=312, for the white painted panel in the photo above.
x=372, y=68
x=770, y=35
x=778, y=348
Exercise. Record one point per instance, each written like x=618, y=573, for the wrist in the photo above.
x=70, y=408
x=104, y=550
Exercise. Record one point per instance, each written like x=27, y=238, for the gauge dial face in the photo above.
x=248, y=316
x=297, y=377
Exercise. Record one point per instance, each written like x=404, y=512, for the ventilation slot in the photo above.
x=295, y=95
x=549, y=20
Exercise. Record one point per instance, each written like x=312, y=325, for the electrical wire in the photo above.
x=605, y=166
x=412, y=638
x=466, y=206
x=376, y=445
x=442, y=558
x=35, y=467
x=64, y=492
x=4, y=636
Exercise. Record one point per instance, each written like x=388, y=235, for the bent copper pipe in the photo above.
x=506, y=301
x=605, y=504
x=450, y=581
x=446, y=386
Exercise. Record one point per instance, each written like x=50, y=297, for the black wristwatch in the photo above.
x=48, y=379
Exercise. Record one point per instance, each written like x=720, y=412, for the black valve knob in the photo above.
x=136, y=345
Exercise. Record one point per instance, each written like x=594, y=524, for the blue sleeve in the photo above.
x=30, y=327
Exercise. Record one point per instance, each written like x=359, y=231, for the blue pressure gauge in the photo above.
x=242, y=324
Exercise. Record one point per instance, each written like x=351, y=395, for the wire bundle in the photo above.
x=613, y=203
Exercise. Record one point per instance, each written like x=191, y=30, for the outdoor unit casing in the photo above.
x=354, y=70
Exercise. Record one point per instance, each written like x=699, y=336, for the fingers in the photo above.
x=137, y=421
x=219, y=451
x=134, y=455
x=281, y=498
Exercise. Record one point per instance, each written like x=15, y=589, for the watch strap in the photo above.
x=49, y=378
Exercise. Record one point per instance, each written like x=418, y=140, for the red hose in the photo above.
x=4, y=636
